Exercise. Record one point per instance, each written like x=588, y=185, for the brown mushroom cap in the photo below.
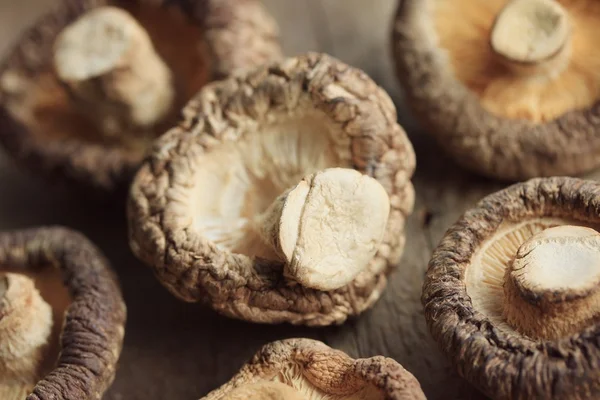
x=93, y=326
x=506, y=108
x=511, y=291
x=315, y=371
x=45, y=128
x=243, y=142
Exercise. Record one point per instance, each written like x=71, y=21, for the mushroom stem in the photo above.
x=264, y=390
x=25, y=329
x=552, y=286
x=109, y=65
x=533, y=36
x=328, y=227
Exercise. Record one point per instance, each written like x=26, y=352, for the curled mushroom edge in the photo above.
x=308, y=369
x=62, y=316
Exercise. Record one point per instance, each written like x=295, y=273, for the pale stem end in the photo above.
x=552, y=286
x=533, y=35
x=327, y=228
x=109, y=65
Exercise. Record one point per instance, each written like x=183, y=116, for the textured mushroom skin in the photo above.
x=330, y=371
x=93, y=329
x=193, y=268
x=501, y=364
x=237, y=34
x=475, y=138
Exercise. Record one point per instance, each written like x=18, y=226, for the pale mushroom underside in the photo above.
x=47, y=315
x=463, y=30
x=292, y=375
x=485, y=274
x=237, y=181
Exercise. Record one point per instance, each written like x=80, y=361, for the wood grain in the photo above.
x=175, y=350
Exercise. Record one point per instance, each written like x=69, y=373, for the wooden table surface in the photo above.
x=175, y=350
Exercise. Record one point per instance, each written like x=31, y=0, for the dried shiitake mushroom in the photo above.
x=282, y=195
x=507, y=87
x=57, y=341
x=512, y=291
x=86, y=90
x=304, y=369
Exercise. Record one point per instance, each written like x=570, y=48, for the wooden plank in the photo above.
x=298, y=33
x=175, y=350
x=359, y=34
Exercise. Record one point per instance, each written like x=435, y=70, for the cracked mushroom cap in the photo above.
x=308, y=369
x=512, y=291
x=85, y=91
x=510, y=88
x=282, y=196
x=61, y=338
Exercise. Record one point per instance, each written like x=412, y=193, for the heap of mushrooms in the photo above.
x=60, y=338
x=86, y=90
x=303, y=369
x=512, y=290
x=509, y=88
x=282, y=196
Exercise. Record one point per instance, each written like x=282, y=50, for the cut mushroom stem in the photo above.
x=552, y=286
x=110, y=67
x=264, y=390
x=328, y=227
x=25, y=329
x=533, y=36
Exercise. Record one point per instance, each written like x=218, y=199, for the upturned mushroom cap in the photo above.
x=86, y=90
x=308, y=369
x=91, y=330
x=212, y=212
x=510, y=88
x=511, y=293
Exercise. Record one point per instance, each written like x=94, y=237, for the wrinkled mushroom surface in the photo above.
x=194, y=205
x=86, y=90
x=510, y=88
x=308, y=369
x=511, y=293
x=57, y=343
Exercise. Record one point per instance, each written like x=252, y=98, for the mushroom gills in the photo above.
x=264, y=390
x=325, y=386
x=538, y=278
x=258, y=197
x=239, y=180
x=546, y=71
x=25, y=331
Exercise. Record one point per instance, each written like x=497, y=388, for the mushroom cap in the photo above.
x=93, y=328
x=264, y=130
x=317, y=371
x=463, y=294
x=42, y=130
x=479, y=138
